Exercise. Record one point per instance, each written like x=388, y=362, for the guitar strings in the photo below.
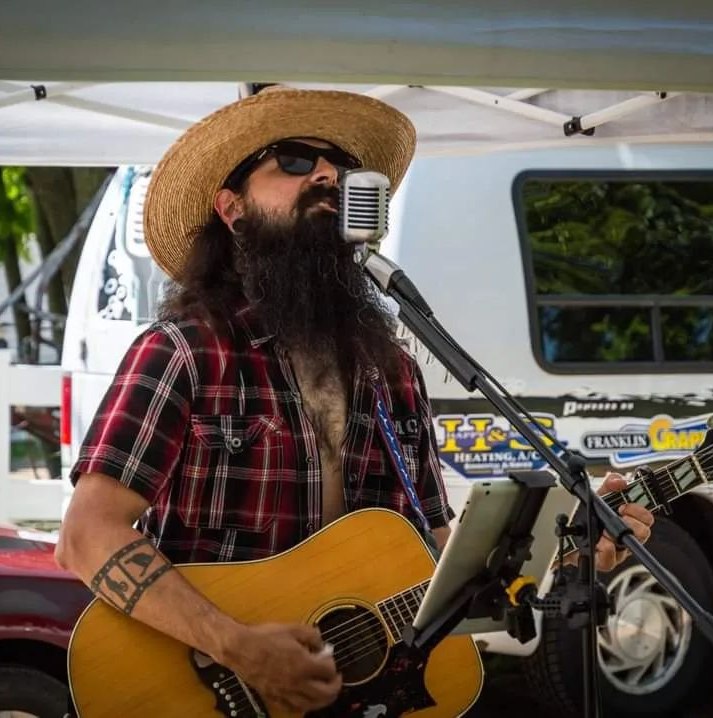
x=615, y=499
x=338, y=630
x=411, y=603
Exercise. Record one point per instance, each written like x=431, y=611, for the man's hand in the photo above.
x=639, y=519
x=285, y=664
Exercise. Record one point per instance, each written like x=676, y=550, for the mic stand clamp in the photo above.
x=570, y=598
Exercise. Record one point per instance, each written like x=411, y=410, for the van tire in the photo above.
x=554, y=671
x=28, y=690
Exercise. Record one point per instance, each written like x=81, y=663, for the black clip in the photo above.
x=40, y=91
x=646, y=475
x=574, y=127
x=564, y=530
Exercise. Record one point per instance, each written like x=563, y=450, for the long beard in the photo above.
x=308, y=291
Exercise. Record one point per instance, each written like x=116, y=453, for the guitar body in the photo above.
x=340, y=579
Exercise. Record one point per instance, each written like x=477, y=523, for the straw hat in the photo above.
x=183, y=185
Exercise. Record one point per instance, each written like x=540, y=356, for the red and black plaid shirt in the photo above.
x=211, y=430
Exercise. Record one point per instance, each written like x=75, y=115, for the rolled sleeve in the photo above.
x=137, y=433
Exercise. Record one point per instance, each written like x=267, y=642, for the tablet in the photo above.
x=485, y=516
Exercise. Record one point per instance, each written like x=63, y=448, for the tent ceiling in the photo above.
x=614, y=44
x=122, y=123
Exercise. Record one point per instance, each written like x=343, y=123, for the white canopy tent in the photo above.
x=122, y=123
x=83, y=82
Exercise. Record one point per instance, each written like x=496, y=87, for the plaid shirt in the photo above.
x=211, y=430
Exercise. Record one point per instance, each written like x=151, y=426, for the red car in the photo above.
x=39, y=605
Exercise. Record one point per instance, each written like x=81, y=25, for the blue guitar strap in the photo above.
x=393, y=447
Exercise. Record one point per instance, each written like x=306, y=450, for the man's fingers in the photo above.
x=322, y=668
x=308, y=636
x=642, y=531
x=312, y=695
x=637, y=518
x=637, y=512
x=612, y=482
x=606, y=554
x=322, y=693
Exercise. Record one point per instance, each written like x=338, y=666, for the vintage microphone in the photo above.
x=364, y=220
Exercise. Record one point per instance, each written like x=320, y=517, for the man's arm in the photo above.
x=98, y=544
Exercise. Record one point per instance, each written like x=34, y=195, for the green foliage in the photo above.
x=627, y=238
x=590, y=237
x=17, y=217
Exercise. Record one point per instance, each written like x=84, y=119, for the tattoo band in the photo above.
x=123, y=579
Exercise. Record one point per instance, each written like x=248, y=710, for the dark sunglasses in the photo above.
x=293, y=158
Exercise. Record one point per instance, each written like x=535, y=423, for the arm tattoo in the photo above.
x=123, y=579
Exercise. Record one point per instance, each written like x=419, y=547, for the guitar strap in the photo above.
x=393, y=449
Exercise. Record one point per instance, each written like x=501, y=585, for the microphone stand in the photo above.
x=419, y=318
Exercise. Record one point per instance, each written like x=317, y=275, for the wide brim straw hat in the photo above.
x=184, y=183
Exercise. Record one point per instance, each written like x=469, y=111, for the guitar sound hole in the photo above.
x=359, y=640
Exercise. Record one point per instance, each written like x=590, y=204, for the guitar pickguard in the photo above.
x=400, y=688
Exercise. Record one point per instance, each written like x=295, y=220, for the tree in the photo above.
x=622, y=238
x=16, y=225
x=41, y=204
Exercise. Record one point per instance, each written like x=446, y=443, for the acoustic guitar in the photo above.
x=360, y=580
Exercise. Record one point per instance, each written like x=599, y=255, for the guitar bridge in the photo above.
x=232, y=696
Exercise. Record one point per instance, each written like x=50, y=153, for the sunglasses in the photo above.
x=293, y=158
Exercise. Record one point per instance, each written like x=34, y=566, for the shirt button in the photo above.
x=365, y=418
x=236, y=442
x=353, y=478
x=310, y=528
x=310, y=459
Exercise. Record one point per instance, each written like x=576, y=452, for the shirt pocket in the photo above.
x=381, y=485
x=377, y=483
x=232, y=472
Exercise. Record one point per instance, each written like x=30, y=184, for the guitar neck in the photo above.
x=398, y=611
x=655, y=490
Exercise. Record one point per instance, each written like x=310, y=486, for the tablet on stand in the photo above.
x=489, y=512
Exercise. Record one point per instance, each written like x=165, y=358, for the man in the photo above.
x=244, y=419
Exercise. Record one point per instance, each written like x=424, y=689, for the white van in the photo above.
x=580, y=275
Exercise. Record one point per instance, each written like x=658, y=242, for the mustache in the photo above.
x=315, y=194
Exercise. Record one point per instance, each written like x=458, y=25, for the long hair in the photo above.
x=209, y=287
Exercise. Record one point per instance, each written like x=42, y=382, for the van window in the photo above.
x=618, y=270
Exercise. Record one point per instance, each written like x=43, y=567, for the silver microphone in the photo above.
x=363, y=206
x=364, y=219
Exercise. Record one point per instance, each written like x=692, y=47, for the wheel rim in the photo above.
x=645, y=641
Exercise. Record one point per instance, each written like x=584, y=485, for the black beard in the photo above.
x=308, y=290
